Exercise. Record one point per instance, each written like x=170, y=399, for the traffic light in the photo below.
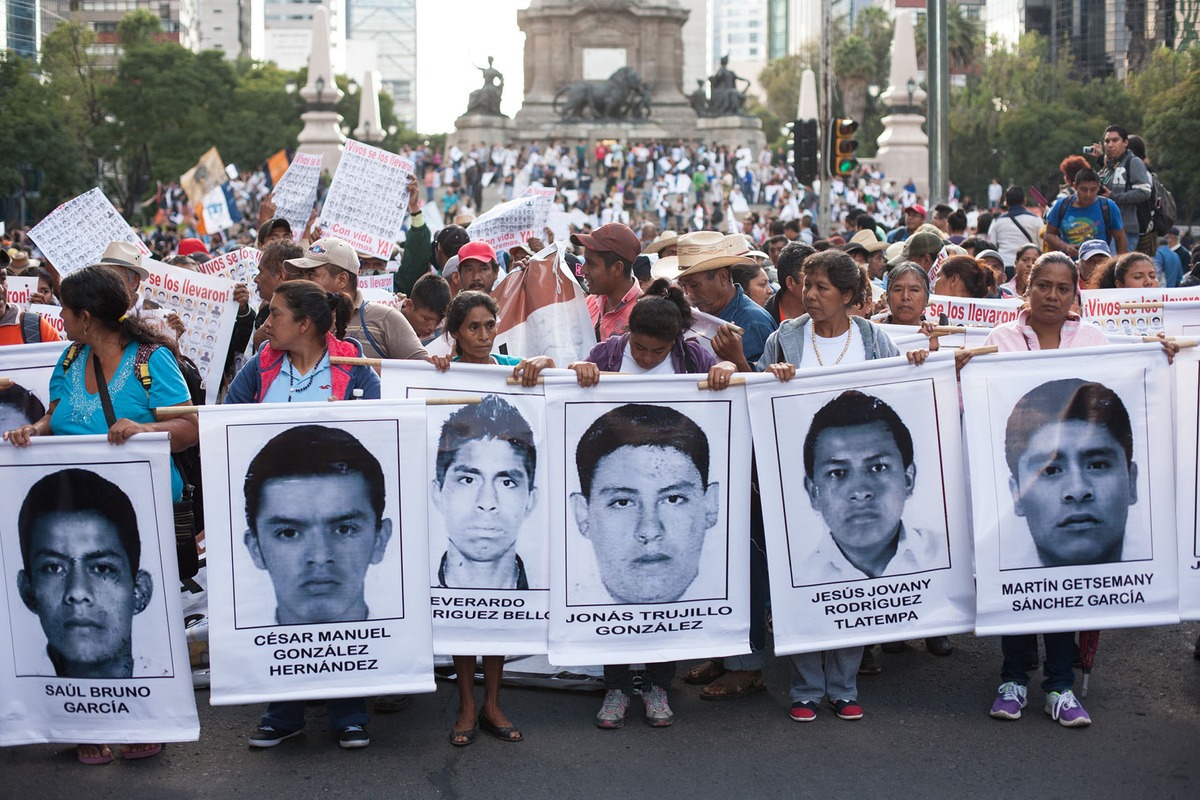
x=842, y=145
x=805, y=149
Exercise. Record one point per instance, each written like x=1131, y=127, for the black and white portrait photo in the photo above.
x=1073, y=478
x=19, y=406
x=647, y=510
x=318, y=542
x=484, y=491
x=88, y=580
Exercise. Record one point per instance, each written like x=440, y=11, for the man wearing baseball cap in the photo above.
x=609, y=253
x=273, y=230
x=914, y=217
x=922, y=249
x=382, y=330
x=1092, y=255
x=478, y=268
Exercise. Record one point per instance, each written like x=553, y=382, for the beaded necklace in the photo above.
x=817, y=350
x=292, y=387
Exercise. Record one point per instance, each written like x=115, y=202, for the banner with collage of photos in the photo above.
x=317, y=551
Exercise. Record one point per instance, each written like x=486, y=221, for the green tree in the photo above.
x=78, y=83
x=780, y=80
x=138, y=27
x=261, y=117
x=964, y=39
x=854, y=67
x=1169, y=92
x=875, y=27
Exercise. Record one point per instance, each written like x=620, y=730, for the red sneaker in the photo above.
x=847, y=709
x=803, y=712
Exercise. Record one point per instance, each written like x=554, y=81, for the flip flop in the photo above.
x=150, y=752
x=105, y=756
x=704, y=673
x=503, y=734
x=735, y=683
x=468, y=737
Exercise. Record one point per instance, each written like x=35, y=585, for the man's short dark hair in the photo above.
x=976, y=243
x=24, y=401
x=1014, y=196
x=274, y=254
x=791, y=261
x=957, y=220
x=1119, y=130
x=850, y=409
x=639, y=425
x=493, y=418
x=312, y=451
x=450, y=239
x=942, y=211
x=431, y=292
x=792, y=225
x=866, y=222
x=1063, y=401
x=1087, y=175
x=776, y=240
x=79, y=491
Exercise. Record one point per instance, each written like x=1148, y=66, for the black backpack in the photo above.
x=1162, y=207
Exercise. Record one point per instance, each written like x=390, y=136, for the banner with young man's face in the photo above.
x=96, y=648
x=316, y=580
x=1072, y=463
x=864, y=504
x=650, y=509
x=489, y=520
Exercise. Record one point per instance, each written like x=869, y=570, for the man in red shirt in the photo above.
x=610, y=251
x=21, y=327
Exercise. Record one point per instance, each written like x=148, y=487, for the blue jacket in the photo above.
x=249, y=385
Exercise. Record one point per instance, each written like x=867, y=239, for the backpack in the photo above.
x=1162, y=207
x=31, y=324
x=1108, y=228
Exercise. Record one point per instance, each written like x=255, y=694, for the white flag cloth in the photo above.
x=317, y=583
x=30, y=366
x=1072, y=470
x=864, y=503
x=976, y=312
x=1187, y=479
x=104, y=660
x=489, y=518
x=650, y=506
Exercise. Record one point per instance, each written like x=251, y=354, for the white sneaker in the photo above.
x=612, y=713
x=658, y=711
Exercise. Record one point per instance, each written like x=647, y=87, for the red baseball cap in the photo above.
x=477, y=251
x=191, y=246
x=611, y=238
x=917, y=207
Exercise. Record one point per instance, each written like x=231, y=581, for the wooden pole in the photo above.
x=734, y=381
x=429, y=401
x=356, y=361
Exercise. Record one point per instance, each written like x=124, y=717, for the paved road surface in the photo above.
x=925, y=734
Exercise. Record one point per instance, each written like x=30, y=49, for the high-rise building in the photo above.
x=21, y=27
x=287, y=32
x=696, y=43
x=235, y=27
x=739, y=31
x=180, y=21
x=390, y=28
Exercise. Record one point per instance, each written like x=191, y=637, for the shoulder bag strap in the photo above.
x=109, y=415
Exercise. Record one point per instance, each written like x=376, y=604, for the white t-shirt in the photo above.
x=831, y=349
x=630, y=366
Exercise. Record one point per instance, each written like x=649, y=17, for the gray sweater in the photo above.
x=787, y=343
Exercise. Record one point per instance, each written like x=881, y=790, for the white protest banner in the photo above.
x=218, y=211
x=21, y=290
x=318, y=586
x=864, y=503
x=1187, y=479
x=53, y=315
x=28, y=367
x=704, y=328
x=239, y=266
x=509, y=224
x=907, y=337
x=559, y=223
x=110, y=666
x=433, y=218
x=1108, y=309
x=1181, y=318
x=979, y=312
x=76, y=233
x=489, y=519
x=368, y=199
x=206, y=306
x=578, y=218
x=1073, y=489
x=543, y=311
x=650, y=506
x=296, y=193
x=385, y=282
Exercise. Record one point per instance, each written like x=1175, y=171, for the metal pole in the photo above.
x=824, y=201
x=938, y=78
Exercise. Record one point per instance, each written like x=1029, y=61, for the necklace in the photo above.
x=292, y=387
x=817, y=350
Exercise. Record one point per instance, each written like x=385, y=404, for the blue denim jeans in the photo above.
x=832, y=674
x=289, y=714
x=1020, y=651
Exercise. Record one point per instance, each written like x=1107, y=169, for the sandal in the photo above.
x=133, y=755
x=103, y=756
x=506, y=734
x=463, y=738
x=704, y=673
x=733, y=684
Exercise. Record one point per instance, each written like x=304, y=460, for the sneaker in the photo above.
x=1065, y=709
x=353, y=736
x=612, y=713
x=847, y=709
x=658, y=712
x=1010, y=699
x=266, y=736
x=803, y=711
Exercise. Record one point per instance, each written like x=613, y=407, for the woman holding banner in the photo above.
x=1046, y=324
x=303, y=330
x=471, y=322
x=654, y=345
x=961, y=276
x=1128, y=271
x=140, y=374
x=826, y=336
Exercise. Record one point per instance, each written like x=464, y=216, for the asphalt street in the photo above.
x=926, y=733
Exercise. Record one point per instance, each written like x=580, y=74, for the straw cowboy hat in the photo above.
x=124, y=254
x=705, y=248
x=869, y=241
x=664, y=239
x=728, y=251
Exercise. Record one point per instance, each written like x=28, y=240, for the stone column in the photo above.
x=322, y=133
x=903, y=147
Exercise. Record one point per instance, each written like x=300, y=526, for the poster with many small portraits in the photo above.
x=76, y=233
x=296, y=192
x=368, y=199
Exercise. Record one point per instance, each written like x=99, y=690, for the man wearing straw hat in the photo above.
x=703, y=264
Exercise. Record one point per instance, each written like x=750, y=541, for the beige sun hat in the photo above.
x=869, y=241
x=664, y=239
x=127, y=255
x=716, y=252
x=696, y=248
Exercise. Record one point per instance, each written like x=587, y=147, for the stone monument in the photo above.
x=483, y=122
x=322, y=131
x=903, y=147
x=722, y=113
x=370, y=128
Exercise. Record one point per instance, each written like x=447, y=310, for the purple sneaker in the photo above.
x=1065, y=709
x=1010, y=699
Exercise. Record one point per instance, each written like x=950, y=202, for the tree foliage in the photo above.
x=1168, y=91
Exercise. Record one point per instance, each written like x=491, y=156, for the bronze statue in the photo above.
x=486, y=100
x=725, y=98
x=623, y=96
